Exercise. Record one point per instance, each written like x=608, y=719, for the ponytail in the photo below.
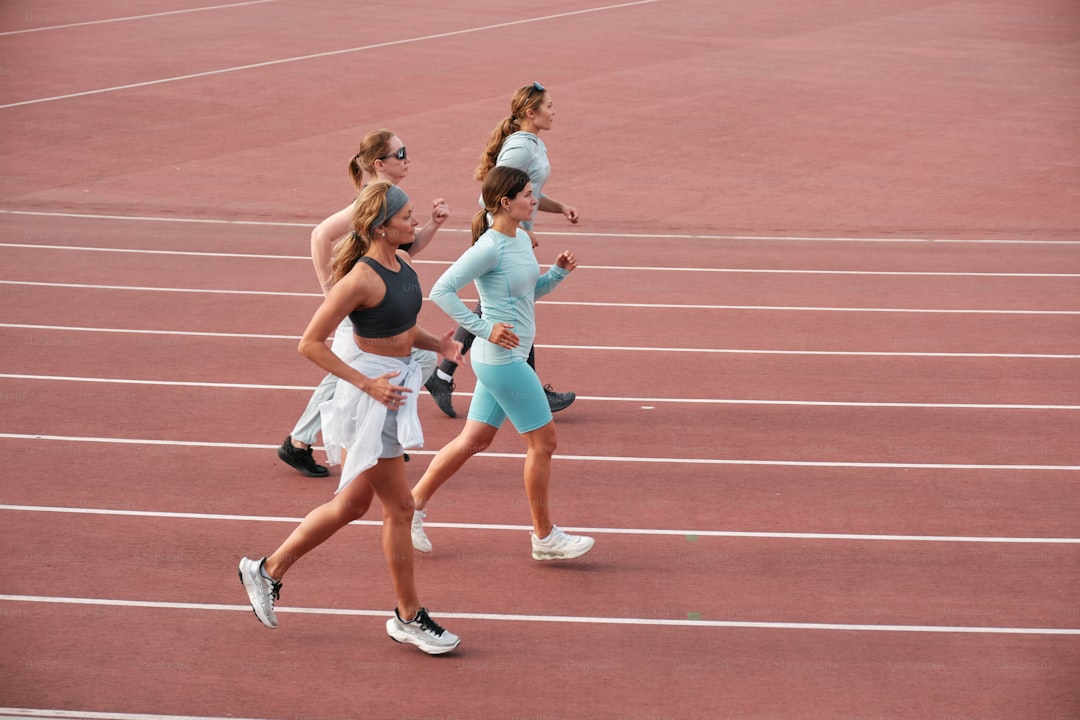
x=480, y=224
x=366, y=210
x=347, y=253
x=374, y=146
x=525, y=98
x=498, y=136
x=356, y=172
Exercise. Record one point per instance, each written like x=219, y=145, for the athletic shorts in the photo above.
x=509, y=391
x=391, y=447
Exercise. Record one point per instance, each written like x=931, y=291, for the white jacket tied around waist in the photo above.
x=353, y=420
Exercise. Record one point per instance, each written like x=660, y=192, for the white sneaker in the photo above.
x=420, y=540
x=560, y=546
x=262, y=592
x=423, y=632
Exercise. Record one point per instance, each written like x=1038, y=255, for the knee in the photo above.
x=470, y=444
x=349, y=509
x=544, y=441
x=399, y=512
x=548, y=448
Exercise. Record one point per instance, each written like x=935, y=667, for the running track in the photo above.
x=826, y=340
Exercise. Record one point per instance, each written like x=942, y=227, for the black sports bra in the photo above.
x=399, y=307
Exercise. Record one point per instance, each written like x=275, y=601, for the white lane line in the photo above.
x=759, y=271
x=188, y=253
x=598, y=398
x=129, y=17
x=153, y=218
x=184, y=333
x=818, y=238
x=616, y=268
x=582, y=458
x=840, y=353
x=694, y=622
x=329, y=53
x=810, y=308
x=165, y=383
x=600, y=348
x=6, y=712
x=147, y=288
x=570, y=303
x=578, y=233
x=690, y=534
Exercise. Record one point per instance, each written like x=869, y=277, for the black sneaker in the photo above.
x=300, y=459
x=440, y=390
x=558, y=401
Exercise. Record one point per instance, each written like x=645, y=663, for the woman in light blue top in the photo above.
x=515, y=142
x=502, y=266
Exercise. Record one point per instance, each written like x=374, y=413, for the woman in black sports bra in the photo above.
x=373, y=414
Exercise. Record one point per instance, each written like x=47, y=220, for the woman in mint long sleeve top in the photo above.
x=502, y=265
x=515, y=142
x=508, y=280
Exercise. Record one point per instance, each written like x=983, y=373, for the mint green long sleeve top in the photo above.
x=507, y=276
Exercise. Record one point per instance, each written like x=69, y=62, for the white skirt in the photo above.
x=353, y=420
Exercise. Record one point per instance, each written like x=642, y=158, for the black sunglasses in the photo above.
x=399, y=154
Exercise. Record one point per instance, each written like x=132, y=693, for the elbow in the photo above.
x=318, y=242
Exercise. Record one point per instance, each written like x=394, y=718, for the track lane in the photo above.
x=787, y=580
x=778, y=672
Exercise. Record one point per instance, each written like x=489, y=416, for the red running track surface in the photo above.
x=825, y=338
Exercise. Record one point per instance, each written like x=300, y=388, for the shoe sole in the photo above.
x=251, y=599
x=448, y=413
x=303, y=471
x=407, y=639
x=541, y=555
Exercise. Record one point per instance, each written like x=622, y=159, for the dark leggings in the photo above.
x=466, y=338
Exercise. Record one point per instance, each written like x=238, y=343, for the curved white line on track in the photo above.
x=329, y=53
x=46, y=9
x=6, y=712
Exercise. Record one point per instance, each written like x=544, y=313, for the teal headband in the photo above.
x=395, y=200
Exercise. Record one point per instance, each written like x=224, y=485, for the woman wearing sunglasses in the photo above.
x=382, y=156
x=515, y=142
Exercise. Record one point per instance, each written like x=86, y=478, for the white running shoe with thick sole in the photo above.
x=262, y=592
x=420, y=540
x=423, y=632
x=560, y=545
